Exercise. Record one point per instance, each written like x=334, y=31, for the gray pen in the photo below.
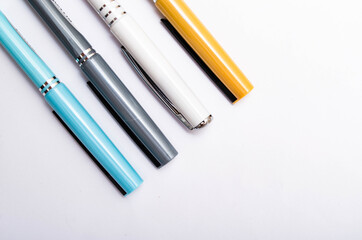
x=107, y=86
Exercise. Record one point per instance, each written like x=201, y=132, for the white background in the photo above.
x=283, y=163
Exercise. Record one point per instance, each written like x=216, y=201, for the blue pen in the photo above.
x=69, y=110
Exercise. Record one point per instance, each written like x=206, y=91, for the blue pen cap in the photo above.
x=93, y=138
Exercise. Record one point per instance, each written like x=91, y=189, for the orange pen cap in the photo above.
x=204, y=48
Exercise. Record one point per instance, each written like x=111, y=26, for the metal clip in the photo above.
x=147, y=79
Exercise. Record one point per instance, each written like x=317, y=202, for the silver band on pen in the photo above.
x=85, y=55
x=49, y=85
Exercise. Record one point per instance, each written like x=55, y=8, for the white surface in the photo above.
x=284, y=163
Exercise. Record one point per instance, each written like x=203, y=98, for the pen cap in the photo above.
x=109, y=10
x=61, y=25
x=94, y=139
x=205, y=45
x=159, y=149
x=27, y=59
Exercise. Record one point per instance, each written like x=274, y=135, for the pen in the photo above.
x=203, y=47
x=152, y=66
x=68, y=109
x=107, y=86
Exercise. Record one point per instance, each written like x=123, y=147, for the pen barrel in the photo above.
x=128, y=109
x=205, y=45
x=61, y=25
x=92, y=136
x=22, y=53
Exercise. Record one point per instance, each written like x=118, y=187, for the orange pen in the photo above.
x=204, y=48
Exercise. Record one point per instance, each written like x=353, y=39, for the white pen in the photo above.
x=152, y=66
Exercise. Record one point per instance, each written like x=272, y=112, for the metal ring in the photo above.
x=109, y=13
x=83, y=54
x=113, y=21
x=51, y=87
x=87, y=54
x=86, y=59
x=47, y=82
x=104, y=5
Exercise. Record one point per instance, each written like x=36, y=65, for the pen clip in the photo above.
x=148, y=80
x=198, y=60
